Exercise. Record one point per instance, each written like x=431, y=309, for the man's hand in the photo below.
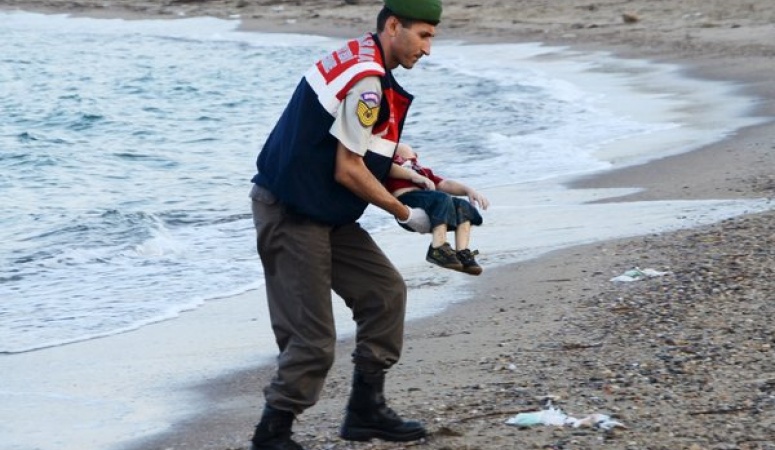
x=418, y=220
x=352, y=173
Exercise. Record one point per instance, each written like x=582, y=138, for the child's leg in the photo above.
x=440, y=252
x=462, y=235
x=466, y=256
x=439, y=235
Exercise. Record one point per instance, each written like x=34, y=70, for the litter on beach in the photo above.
x=555, y=416
x=638, y=274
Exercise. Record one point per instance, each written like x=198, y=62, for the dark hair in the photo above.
x=386, y=12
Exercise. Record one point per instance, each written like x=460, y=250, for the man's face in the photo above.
x=411, y=44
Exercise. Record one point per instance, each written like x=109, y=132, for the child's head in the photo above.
x=405, y=151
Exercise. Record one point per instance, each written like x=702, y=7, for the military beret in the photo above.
x=425, y=10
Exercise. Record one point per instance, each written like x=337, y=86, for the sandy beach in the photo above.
x=685, y=360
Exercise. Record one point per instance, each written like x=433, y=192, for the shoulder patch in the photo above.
x=368, y=108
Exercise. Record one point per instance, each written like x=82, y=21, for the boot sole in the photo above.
x=457, y=267
x=472, y=270
x=469, y=270
x=367, y=434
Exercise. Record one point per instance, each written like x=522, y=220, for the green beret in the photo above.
x=424, y=10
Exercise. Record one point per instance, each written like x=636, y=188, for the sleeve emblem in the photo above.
x=368, y=108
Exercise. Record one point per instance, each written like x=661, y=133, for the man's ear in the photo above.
x=391, y=26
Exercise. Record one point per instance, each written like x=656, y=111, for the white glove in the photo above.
x=418, y=221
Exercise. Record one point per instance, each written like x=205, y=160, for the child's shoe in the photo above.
x=466, y=258
x=443, y=256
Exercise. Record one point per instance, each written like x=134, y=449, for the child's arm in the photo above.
x=402, y=173
x=453, y=187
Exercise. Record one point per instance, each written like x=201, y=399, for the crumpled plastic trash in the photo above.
x=638, y=274
x=549, y=416
x=555, y=416
x=596, y=420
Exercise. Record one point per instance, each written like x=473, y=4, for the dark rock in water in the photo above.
x=630, y=18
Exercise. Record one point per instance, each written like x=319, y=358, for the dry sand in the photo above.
x=686, y=361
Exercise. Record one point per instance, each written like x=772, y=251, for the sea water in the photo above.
x=126, y=151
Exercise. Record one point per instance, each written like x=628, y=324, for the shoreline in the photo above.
x=465, y=379
x=506, y=354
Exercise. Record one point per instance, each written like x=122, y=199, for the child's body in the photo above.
x=418, y=187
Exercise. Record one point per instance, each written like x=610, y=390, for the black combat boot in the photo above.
x=369, y=417
x=274, y=431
